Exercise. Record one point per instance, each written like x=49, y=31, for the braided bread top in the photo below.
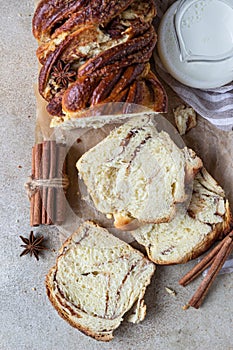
x=88, y=45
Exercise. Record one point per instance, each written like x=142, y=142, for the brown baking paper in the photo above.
x=214, y=146
x=211, y=144
x=79, y=140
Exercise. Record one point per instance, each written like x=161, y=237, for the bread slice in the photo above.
x=96, y=280
x=138, y=173
x=191, y=232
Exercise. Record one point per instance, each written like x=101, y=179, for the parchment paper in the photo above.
x=79, y=140
x=213, y=145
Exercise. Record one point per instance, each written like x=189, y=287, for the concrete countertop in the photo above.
x=27, y=320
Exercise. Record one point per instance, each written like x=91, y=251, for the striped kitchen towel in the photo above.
x=215, y=105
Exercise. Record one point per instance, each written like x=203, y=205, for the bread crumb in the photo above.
x=170, y=291
x=186, y=307
x=185, y=118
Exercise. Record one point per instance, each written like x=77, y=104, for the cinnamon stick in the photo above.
x=216, y=258
x=51, y=190
x=202, y=265
x=47, y=183
x=45, y=175
x=219, y=260
x=37, y=196
x=59, y=197
x=32, y=200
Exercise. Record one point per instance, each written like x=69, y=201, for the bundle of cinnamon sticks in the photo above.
x=48, y=181
x=215, y=259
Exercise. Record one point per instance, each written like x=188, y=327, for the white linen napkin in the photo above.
x=215, y=105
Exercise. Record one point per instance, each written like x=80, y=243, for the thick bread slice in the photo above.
x=138, y=173
x=190, y=233
x=96, y=280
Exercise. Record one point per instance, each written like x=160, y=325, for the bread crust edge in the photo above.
x=49, y=288
x=219, y=231
x=64, y=315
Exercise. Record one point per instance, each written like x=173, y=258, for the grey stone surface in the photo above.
x=27, y=320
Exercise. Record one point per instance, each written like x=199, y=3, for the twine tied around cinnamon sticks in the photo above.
x=47, y=184
x=33, y=185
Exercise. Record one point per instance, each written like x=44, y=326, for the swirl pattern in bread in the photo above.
x=96, y=280
x=138, y=173
x=191, y=232
x=85, y=45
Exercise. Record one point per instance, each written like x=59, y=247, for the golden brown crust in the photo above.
x=130, y=85
x=119, y=55
x=105, y=87
x=59, y=301
x=158, y=101
x=133, y=72
x=128, y=223
x=96, y=12
x=78, y=95
x=49, y=288
x=52, y=17
x=65, y=316
x=218, y=232
x=148, y=92
x=50, y=12
x=54, y=106
x=135, y=50
x=67, y=31
x=62, y=52
x=121, y=221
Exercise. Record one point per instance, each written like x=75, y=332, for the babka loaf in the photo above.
x=191, y=232
x=96, y=280
x=95, y=52
x=138, y=173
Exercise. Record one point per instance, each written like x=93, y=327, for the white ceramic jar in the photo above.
x=195, y=42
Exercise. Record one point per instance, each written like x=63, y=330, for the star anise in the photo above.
x=62, y=74
x=32, y=245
